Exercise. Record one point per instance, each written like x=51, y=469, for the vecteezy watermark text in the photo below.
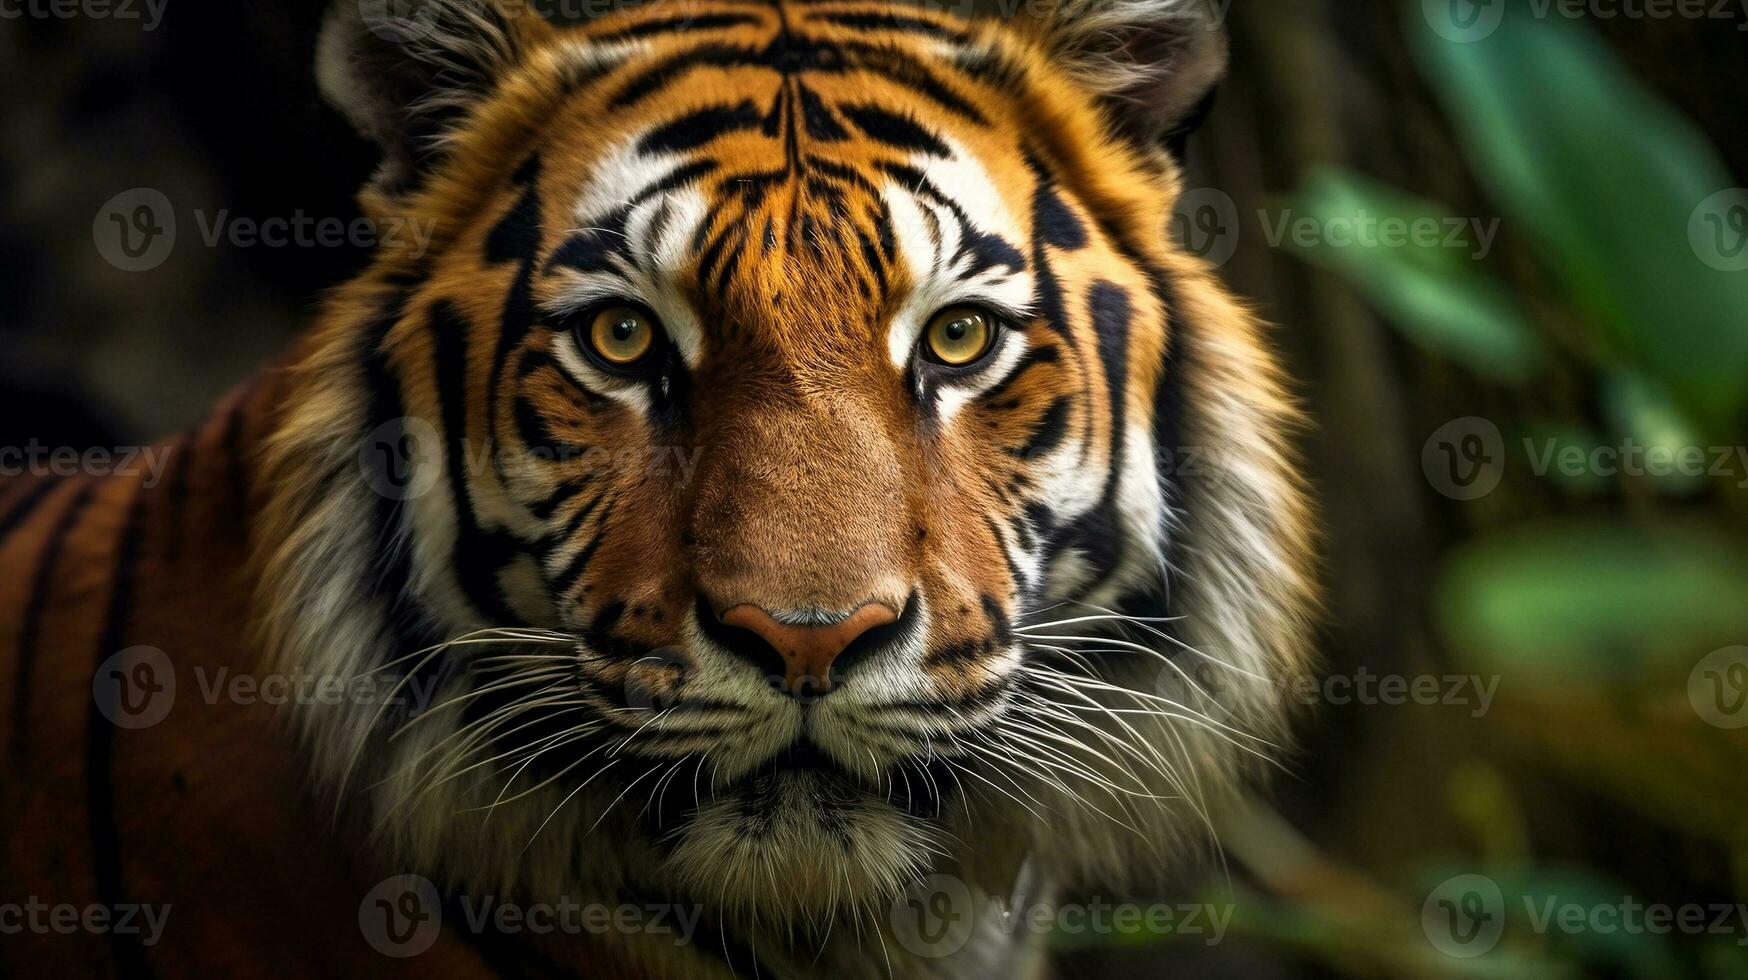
x=33, y=915
x=1466, y=916
x=150, y=13
x=403, y=915
x=35, y=459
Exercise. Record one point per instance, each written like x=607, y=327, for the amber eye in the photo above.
x=621, y=335
x=959, y=335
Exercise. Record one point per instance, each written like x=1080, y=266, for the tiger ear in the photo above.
x=404, y=72
x=1155, y=62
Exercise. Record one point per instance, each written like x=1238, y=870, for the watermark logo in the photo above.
x=1464, y=459
x=1464, y=21
x=135, y=230
x=935, y=917
x=402, y=916
x=399, y=458
x=1718, y=230
x=1464, y=916
x=135, y=688
x=1718, y=688
x=1205, y=221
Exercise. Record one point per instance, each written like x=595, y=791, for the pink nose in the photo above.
x=808, y=651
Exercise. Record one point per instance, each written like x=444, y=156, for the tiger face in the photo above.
x=796, y=394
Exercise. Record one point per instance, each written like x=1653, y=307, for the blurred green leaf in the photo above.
x=1643, y=411
x=1400, y=251
x=1585, y=598
x=1608, y=181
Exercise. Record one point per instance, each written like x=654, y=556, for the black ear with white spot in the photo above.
x=1156, y=62
x=405, y=71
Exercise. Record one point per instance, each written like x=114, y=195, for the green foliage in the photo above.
x=1605, y=180
x=1591, y=600
x=1592, y=622
x=1425, y=283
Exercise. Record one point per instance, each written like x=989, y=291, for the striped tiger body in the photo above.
x=799, y=471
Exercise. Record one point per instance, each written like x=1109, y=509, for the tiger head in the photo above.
x=800, y=462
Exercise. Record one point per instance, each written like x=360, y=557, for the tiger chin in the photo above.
x=800, y=469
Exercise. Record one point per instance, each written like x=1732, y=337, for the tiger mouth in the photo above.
x=918, y=787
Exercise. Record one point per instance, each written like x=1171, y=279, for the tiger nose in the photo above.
x=807, y=651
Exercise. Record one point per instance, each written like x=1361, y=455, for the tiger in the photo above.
x=800, y=483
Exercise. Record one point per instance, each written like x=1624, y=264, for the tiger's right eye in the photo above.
x=620, y=336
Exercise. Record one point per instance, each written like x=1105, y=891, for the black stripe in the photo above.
x=391, y=556
x=701, y=126
x=678, y=177
x=1052, y=219
x=1052, y=427
x=478, y=555
x=31, y=626
x=675, y=66
x=1042, y=354
x=515, y=238
x=897, y=67
x=822, y=125
x=579, y=563
x=130, y=953
x=895, y=130
x=24, y=505
x=564, y=493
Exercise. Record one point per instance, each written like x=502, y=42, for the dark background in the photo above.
x=1592, y=599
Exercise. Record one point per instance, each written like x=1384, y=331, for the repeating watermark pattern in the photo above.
x=1468, y=21
x=1464, y=21
x=1718, y=230
x=1467, y=916
x=1207, y=223
x=136, y=230
x=1364, y=229
x=138, y=688
x=403, y=915
x=1466, y=458
x=1464, y=916
x=402, y=459
x=149, y=13
x=1718, y=688
x=677, y=923
x=37, y=460
x=35, y=916
x=305, y=688
x=1362, y=688
x=135, y=688
x=1635, y=459
x=937, y=917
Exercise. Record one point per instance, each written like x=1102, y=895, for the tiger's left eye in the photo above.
x=621, y=335
x=959, y=336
